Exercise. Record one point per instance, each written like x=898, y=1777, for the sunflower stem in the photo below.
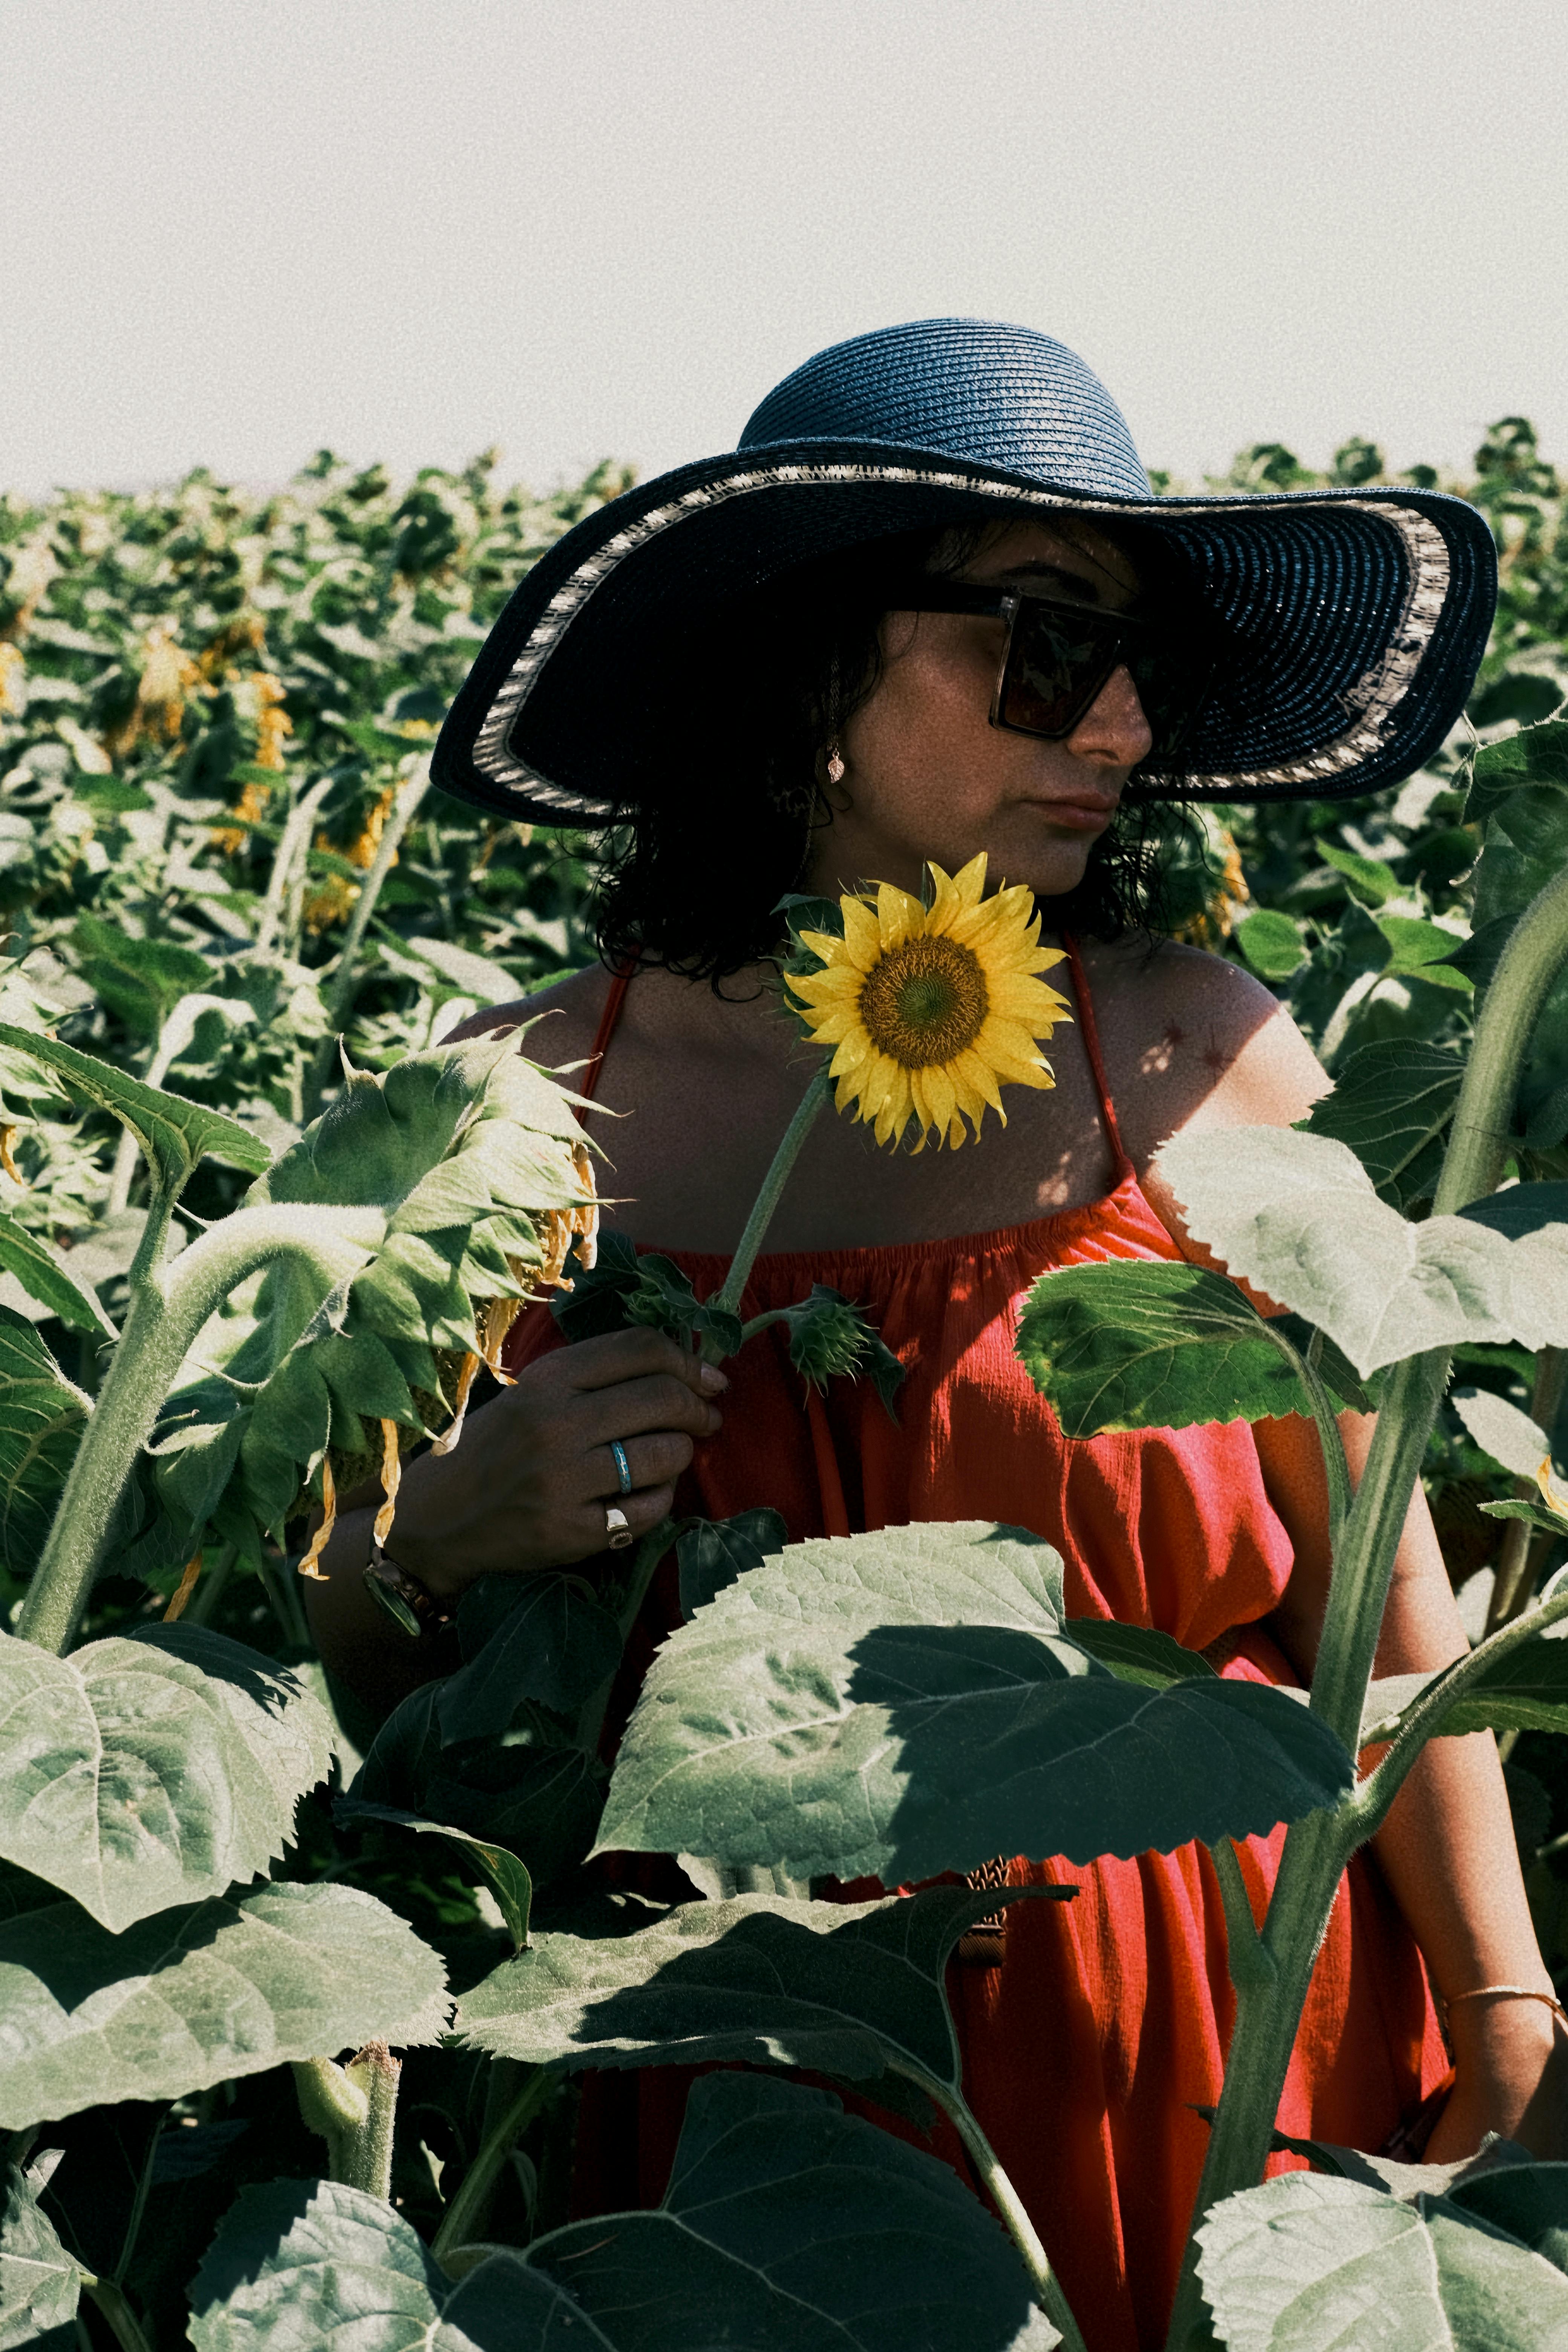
x=730, y=1291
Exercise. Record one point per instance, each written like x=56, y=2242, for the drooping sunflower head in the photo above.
x=931, y=1010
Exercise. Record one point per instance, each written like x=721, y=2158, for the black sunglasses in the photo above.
x=1057, y=654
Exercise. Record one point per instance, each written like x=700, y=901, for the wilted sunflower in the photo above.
x=932, y=1009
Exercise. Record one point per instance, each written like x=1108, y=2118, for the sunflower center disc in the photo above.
x=923, y=1003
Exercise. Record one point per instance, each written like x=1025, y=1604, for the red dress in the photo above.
x=1087, y=2050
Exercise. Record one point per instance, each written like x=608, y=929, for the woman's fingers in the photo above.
x=653, y=1461
x=619, y=1356
x=658, y=1401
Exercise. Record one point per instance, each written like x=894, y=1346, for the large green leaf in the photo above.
x=42, y=1417
x=1297, y=1216
x=1524, y=1689
x=1150, y=1345
x=44, y=1278
x=787, y=2227
x=544, y=1637
x=1499, y=1429
x=842, y=1989
x=152, y=1770
x=174, y=1134
x=912, y=1702
x=1535, y=756
x=1391, y=1102
x=302, y=2264
x=186, y=2000
x=39, y=2284
x=1320, y=2265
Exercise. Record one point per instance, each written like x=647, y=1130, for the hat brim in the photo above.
x=1352, y=622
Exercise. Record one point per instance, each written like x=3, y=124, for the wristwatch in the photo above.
x=411, y=1606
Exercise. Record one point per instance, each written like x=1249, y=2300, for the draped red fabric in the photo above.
x=1087, y=2050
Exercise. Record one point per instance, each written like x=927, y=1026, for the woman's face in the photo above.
x=927, y=775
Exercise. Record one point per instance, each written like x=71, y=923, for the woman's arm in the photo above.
x=1447, y=1847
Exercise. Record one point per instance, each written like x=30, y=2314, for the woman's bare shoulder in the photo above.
x=1189, y=1036
x=561, y=1020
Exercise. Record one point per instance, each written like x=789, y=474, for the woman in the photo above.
x=930, y=609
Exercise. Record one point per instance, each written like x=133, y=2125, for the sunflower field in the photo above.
x=249, y=1196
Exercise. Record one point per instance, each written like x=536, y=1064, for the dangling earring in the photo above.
x=835, y=764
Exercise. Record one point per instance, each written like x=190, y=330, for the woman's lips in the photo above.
x=1078, y=817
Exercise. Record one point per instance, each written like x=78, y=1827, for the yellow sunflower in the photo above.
x=931, y=1009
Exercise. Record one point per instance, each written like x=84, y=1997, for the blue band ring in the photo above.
x=623, y=1467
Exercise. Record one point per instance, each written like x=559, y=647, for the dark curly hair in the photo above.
x=705, y=845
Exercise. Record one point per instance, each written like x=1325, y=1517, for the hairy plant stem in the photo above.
x=1317, y=1850
x=169, y=1305
x=471, y=2201
x=733, y=1289
x=345, y=978
x=354, y=2109
x=1006, y=2199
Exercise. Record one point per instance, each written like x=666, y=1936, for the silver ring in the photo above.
x=623, y=1467
x=617, y=1529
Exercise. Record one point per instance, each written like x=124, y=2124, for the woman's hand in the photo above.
x=527, y=1485
x=1511, y=2076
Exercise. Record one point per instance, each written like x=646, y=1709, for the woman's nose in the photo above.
x=1114, y=728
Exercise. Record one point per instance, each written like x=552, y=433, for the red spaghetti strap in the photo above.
x=620, y=980
x=1091, y=1046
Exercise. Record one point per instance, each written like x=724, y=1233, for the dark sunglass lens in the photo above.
x=1172, y=682
x=1056, y=665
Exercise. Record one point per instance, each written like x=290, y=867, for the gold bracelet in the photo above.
x=1509, y=1992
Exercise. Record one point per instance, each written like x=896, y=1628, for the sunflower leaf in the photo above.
x=822, y=1715
x=42, y=1417
x=40, y=2286
x=197, y=1995
x=803, y=2227
x=506, y=1877
x=174, y=1134
x=1285, y=2262
x=1297, y=1216
x=1156, y=1345
x=757, y=1980
x=1391, y=1102
x=143, y=1773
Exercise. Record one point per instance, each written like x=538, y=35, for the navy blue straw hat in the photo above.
x=1350, y=623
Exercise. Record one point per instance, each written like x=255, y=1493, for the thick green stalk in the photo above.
x=168, y=1309
x=375, y=2072
x=1006, y=2199
x=731, y=1290
x=345, y=979
x=471, y=2201
x=1268, y=2013
x=1483, y=1116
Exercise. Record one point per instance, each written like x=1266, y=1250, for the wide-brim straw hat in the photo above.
x=1350, y=623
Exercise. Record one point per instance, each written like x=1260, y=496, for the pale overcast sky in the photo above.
x=237, y=229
